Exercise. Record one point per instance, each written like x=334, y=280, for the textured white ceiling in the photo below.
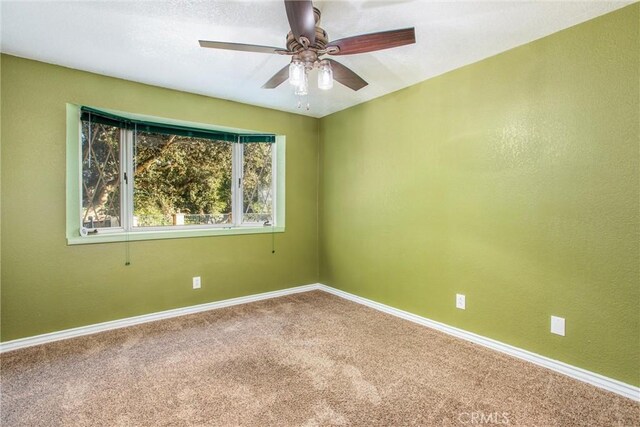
x=156, y=42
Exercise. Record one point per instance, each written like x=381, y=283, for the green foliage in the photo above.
x=173, y=174
x=100, y=174
x=180, y=174
x=257, y=185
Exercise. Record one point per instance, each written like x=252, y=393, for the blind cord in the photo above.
x=127, y=249
x=90, y=140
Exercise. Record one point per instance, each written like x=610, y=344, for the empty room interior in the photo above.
x=296, y=213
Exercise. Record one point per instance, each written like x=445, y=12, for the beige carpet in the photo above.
x=309, y=359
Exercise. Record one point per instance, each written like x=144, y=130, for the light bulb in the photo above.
x=303, y=88
x=296, y=73
x=325, y=76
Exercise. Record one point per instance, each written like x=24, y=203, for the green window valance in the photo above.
x=102, y=117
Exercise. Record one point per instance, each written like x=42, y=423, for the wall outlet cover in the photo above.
x=557, y=325
x=196, y=282
x=460, y=301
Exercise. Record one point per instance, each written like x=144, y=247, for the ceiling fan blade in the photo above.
x=346, y=76
x=372, y=42
x=301, y=19
x=277, y=79
x=240, y=47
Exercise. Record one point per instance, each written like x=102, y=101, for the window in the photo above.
x=101, y=172
x=140, y=177
x=180, y=180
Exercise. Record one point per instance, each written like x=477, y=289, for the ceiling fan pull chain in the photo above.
x=304, y=99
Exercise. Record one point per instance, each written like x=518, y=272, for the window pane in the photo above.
x=257, y=187
x=100, y=176
x=181, y=181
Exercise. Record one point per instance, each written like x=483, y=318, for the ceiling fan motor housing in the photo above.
x=294, y=46
x=309, y=54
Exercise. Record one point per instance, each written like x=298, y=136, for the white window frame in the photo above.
x=237, y=190
x=126, y=231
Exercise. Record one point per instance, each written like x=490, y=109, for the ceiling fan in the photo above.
x=307, y=42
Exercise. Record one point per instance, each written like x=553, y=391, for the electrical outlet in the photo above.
x=460, y=301
x=196, y=282
x=557, y=325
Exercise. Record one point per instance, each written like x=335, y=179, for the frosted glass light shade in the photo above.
x=303, y=88
x=296, y=73
x=325, y=76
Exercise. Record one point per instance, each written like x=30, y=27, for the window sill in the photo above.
x=169, y=234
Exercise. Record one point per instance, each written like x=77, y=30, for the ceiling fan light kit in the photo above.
x=302, y=88
x=325, y=76
x=307, y=42
x=296, y=73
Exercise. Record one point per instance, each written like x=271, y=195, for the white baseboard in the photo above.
x=615, y=386
x=580, y=374
x=136, y=320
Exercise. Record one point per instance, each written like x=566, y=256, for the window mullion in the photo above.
x=274, y=184
x=236, y=190
x=240, y=182
x=123, y=183
x=128, y=187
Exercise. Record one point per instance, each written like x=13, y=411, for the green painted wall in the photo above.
x=514, y=181
x=49, y=286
